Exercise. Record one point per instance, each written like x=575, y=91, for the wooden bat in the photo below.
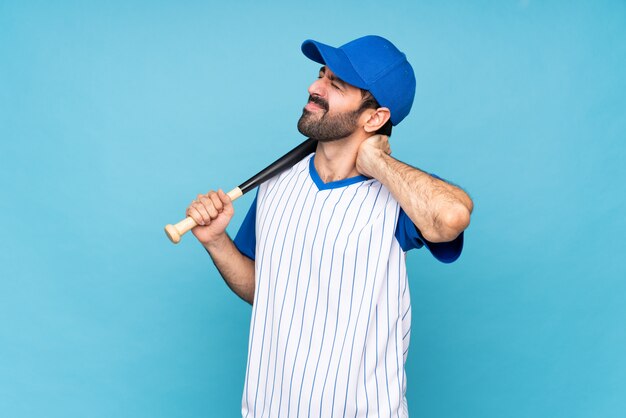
x=175, y=232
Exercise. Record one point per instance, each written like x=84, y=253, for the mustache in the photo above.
x=319, y=101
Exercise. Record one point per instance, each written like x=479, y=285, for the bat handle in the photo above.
x=176, y=231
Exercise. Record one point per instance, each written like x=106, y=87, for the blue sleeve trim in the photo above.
x=245, y=241
x=446, y=252
x=406, y=233
x=410, y=237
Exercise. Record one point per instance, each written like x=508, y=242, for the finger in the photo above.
x=195, y=215
x=208, y=204
x=202, y=208
x=228, y=203
x=208, y=207
x=387, y=146
x=217, y=202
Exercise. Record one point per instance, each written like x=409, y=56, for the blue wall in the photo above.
x=113, y=117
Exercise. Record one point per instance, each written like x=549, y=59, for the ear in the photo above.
x=377, y=118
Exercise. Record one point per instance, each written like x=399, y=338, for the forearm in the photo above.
x=236, y=269
x=441, y=211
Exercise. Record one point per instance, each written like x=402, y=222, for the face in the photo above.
x=333, y=109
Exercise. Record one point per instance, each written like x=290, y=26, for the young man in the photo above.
x=321, y=253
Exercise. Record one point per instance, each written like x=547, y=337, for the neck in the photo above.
x=336, y=160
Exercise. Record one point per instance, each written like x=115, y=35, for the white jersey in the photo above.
x=331, y=317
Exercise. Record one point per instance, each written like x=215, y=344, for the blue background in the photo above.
x=113, y=117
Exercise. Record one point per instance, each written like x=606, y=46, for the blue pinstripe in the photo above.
x=388, y=328
x=406, y=313
x=257, y=292
x=328, y=297
x=295, y=360
x=275, y=288
x=269, y=284
x=350, y=312
x=376, y=368
x=369, y=316
x=281, y=311
x=395, y=339
x=343, y=260
x=306, y=361
x=293, y=310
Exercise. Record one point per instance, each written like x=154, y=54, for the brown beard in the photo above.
x=328, y=127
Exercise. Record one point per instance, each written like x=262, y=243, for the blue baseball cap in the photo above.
x=374, y=64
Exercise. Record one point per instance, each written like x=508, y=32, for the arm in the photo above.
x=236, y=269
x=212, y=212
x=441, y=211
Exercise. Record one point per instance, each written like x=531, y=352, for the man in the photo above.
x=321, y=253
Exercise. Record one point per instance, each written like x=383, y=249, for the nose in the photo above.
x=317, y=88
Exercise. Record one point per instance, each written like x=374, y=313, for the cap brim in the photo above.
x=335, y=59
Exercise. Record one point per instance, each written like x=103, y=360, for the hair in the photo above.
x=370, y=102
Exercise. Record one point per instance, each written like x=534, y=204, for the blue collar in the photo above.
x=333, y=184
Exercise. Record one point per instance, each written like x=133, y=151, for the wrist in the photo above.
x=217, y=243
x=378, y=165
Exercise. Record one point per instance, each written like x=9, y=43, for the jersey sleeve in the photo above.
x=410, y=237
x=245, y=240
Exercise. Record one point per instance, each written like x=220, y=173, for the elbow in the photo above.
x=459, y=219
x=469, y=208
x=450, y=224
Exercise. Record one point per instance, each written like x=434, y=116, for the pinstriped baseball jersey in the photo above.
x=331, y=318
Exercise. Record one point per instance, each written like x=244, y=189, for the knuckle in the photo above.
x=194, y=216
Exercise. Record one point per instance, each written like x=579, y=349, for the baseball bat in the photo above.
x=176, y=231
